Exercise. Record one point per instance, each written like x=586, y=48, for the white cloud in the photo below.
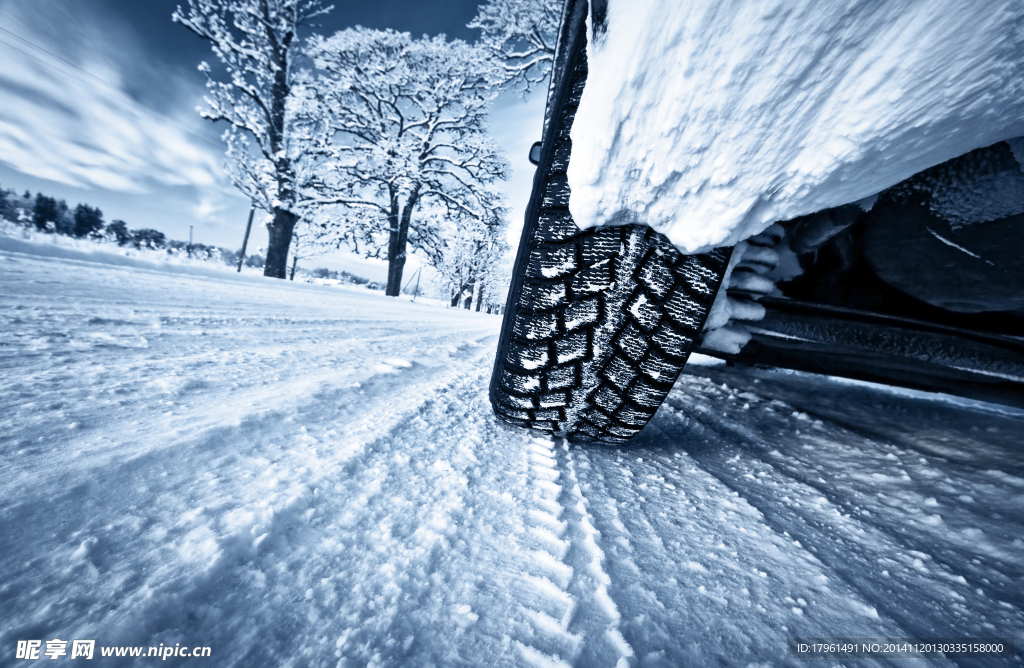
x=213, y=206
x=59, y=122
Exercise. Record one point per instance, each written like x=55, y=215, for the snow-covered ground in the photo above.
x=301, y=475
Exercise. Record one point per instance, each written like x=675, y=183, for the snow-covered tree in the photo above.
x=65, y=223
x=6, y=205
x=306, y=244
x=469, y=261
x=88, y=220
x=118, y=232
x=45, y=212
x=148, y=238
x=521, y=36
x=404, y=131
x=501, y=279
x=23, y=208
x=257, y=42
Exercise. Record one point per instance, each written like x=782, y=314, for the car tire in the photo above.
x=599, y=322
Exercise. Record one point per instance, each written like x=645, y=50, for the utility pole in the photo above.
x=190, y=241
x=245, y=240
x=417, y=277
x=295, y=255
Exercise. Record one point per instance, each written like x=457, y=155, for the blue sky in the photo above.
x=97, y=105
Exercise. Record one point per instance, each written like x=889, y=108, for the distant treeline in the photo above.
x=345, y=277
x=53, y=216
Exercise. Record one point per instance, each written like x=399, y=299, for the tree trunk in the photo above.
x=398, y=240
x=469, y=299
x=281, y=228
x=479, y=297
x=295, y=263
x=280, y=239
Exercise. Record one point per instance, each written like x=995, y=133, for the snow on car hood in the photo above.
x=710, y=119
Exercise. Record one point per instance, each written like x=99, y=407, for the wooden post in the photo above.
x=245, y=240
x=417, y=277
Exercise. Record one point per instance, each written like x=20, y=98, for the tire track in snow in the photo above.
x=697, y=573
x=298, y=519
x=336, y=446
x=547, y=606
x=597, y=619
x=625, y=575
x=572, y=619
x=215, y=417
x=872, y=525
x=911, y=497
x=400, y=508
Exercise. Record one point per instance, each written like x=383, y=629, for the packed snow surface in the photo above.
x=296, y=475
x=709, y=120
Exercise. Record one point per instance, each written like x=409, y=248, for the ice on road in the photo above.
x=301, y=475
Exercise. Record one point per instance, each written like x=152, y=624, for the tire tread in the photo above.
x=617, y=305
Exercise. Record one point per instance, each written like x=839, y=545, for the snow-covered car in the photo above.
x=828, y=187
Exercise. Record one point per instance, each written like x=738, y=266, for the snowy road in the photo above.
x=302, y=475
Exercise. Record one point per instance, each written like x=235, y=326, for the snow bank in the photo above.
x=709, y=120
x=152, y=260
x=16, y=238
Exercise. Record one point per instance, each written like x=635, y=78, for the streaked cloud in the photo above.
x=66, y=114
x=74, y=123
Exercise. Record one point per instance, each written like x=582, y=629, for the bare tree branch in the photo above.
x=521, y=35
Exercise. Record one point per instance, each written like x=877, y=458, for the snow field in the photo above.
x=298, y=475
x=201, y=500
x=16, y=238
